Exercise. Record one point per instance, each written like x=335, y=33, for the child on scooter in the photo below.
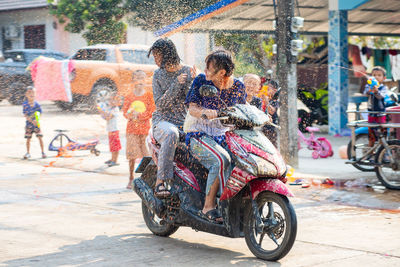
x=32, y=112
x=272, y=105
x=376, y=102
x=252, y=82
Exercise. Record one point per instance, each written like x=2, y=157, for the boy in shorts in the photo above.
x=376, y=102
x=32, y=111
x=110, y=114
x=138, y=108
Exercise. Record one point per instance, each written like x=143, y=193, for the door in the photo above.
x=35, y=36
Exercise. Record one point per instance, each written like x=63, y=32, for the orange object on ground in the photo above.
x=343, y=152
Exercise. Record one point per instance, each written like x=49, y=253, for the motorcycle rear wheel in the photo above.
x=153, y=223
x=284, y=230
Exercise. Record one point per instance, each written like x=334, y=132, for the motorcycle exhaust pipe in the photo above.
x=146, y=194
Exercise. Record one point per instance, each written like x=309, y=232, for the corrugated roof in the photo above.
x=6, y=5
x=373, y=17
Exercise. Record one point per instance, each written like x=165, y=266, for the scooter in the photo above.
x=254, y=202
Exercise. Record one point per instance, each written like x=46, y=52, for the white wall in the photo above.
x=56, y=39
x=192, y=48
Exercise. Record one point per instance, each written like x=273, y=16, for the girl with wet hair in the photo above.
x=222, y=60
x=171, y=82
x=206, y=138
x=167, y=50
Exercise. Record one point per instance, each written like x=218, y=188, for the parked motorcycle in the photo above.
x=254, y=203
x=362, y=139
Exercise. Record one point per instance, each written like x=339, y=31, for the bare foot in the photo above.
x=129, y=186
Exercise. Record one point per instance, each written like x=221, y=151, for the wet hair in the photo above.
x=168, y=52
x=274, y=83
x=379, y=68
x=137, y=73
x=222, y=60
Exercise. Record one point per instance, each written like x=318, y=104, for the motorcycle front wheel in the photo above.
x=277, y=233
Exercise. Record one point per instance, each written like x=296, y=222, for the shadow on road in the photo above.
x=139, y=250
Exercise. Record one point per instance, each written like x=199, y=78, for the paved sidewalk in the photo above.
x=333, y=167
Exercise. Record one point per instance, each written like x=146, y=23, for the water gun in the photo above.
x=263, y=91
x=372, y=82
x=102, y=108
x=37, y=118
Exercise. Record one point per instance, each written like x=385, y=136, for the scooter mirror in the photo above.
x=208, y=90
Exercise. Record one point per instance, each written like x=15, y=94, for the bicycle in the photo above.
x=384, y=155
x=61, y=142
x=321, y=146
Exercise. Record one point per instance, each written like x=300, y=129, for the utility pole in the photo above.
x=286, y=72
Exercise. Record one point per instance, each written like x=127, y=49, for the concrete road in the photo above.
x=75, y=212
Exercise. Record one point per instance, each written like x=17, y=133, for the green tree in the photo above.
x=100, y=20
x=153, y=15
x=252, y=52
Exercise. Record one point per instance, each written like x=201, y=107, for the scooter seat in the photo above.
x=312, y=129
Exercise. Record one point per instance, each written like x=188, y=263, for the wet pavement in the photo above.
x=74, y=211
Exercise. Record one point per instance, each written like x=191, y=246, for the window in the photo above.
x=137, y=56
x=35, y=36
x=91, y=54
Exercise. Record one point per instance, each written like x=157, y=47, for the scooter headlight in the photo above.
x=257, y=166
x=264, y=167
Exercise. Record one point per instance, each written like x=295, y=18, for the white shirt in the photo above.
x=112, y=124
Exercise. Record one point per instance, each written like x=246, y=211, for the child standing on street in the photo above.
x=376, y=101
x=272, y=106
x=110, y=114
x=32, y=112
x=252, y=82
x=138, y=108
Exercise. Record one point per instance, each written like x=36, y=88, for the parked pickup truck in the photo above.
x=103, y=68
x=14, y=78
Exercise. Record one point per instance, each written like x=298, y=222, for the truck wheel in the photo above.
x=101, y=93
x=65, y=105
x=16, y=92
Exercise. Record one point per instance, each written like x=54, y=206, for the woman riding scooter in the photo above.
x=207, y=136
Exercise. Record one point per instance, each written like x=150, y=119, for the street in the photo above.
x=74, y=211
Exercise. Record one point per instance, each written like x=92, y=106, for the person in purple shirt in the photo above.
x=206, y=137
x=32, y=125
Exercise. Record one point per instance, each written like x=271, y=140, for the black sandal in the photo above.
x=161, y=192
x=212, y=216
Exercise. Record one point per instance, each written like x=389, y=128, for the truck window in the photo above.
x=137, y=56
x=91, y=54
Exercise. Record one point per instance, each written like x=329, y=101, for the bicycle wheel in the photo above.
x=361, y=147
x=389, y=173
x=325, y=147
